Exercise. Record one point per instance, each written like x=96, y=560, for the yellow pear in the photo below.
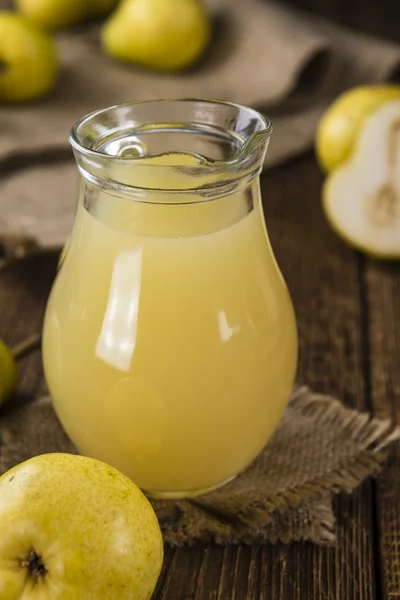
x=63, y=13
x=28, y=64
x=8, y=372
x=157, y=34
x=341, y=124
x=361, y=198
x=74, y=528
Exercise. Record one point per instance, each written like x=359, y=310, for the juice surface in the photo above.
x=170, y=357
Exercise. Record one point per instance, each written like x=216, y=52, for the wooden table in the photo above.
x=348, y=312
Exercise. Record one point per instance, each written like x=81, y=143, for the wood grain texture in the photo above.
x=24, y=288
x=375, y=17
x=382, y=283
x=348, y=312
x=323, y=277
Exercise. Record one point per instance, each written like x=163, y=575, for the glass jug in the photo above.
x=169, y=341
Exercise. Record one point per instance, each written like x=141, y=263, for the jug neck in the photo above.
x=164, y=214
x=190, y=149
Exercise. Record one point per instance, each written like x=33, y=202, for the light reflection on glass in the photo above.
x=225, y=331
x=117, y=339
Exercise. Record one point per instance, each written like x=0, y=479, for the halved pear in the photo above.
x=361, y=198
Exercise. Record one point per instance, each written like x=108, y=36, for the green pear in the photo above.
x=63, y=13
x=157, y=34
x=28, y=62
x=74, y=528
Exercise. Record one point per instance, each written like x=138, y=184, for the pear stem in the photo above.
x=26, y=346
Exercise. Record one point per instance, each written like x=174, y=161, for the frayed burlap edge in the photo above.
x=188, y=521
x=374, y=436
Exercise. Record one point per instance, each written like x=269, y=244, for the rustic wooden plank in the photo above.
x=254, y=568
x=383, y=306
x=24, y=287
x=165, y=573
x=208, y=583
x=183, y=573
x=376, y=17
x=323, y=277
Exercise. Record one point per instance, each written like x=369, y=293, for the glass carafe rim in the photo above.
x=246, y=161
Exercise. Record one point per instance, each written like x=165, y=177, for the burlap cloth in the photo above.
x=263, y=54
x=320, y=449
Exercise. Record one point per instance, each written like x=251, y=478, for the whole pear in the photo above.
x=74, y=528
x=63, y=13
x=28, y=62
x=157, y=34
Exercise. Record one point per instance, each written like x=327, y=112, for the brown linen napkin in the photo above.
x=263, y=54
x=39, y=202
x=320, y=449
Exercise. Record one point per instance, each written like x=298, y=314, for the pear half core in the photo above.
x=361, y=198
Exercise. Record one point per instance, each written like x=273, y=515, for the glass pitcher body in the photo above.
x=169, y=342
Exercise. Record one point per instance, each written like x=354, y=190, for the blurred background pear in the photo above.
x=63, y=13
x=28, y=62
x=157, y=34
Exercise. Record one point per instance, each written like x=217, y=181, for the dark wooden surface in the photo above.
x=348, y=312
x=375, y=17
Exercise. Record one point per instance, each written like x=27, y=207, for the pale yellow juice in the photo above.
x=169, y=356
